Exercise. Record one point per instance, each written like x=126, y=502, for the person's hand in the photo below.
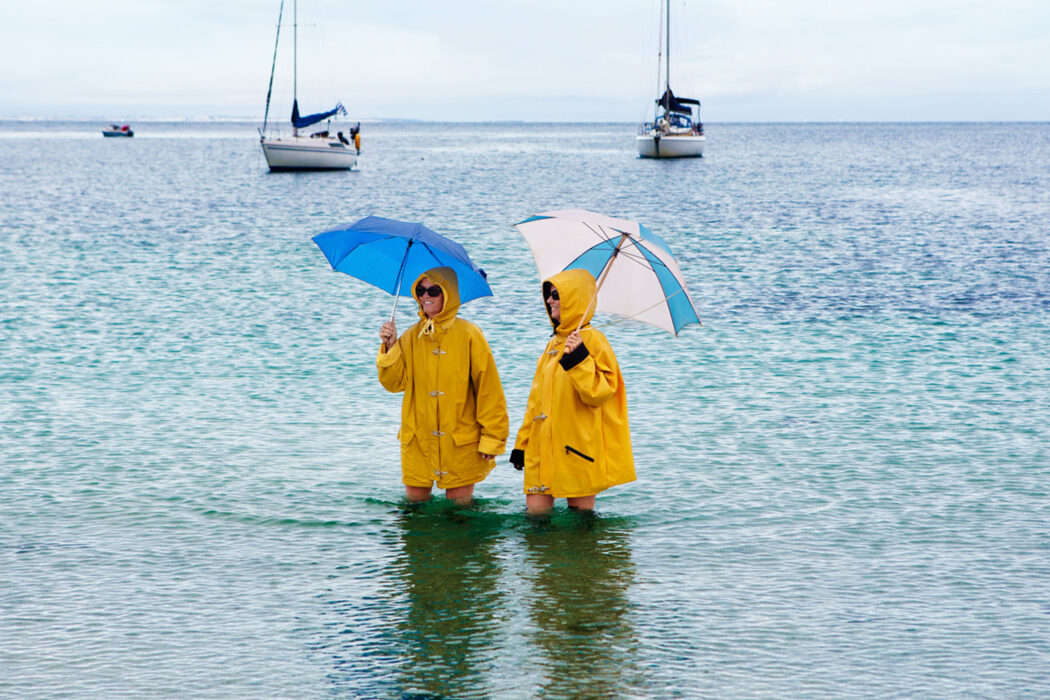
x=573, y=341
x=388, y=334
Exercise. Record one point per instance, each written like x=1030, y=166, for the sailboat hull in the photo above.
x=670, y=146
x=306, y=153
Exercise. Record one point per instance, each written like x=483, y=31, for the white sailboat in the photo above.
x=319, y=150
x=676, y=130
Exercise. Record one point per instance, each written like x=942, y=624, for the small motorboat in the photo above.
x=117, y=130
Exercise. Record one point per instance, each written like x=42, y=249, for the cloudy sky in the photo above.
x=532, y=60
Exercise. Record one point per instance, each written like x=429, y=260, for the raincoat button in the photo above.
x=437, y=393
x=542, y=416
x=438, y=433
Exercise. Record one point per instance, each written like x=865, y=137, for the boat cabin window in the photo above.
x=680, y=120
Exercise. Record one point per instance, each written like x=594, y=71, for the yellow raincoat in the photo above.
x=575, y=437
x=453, y=407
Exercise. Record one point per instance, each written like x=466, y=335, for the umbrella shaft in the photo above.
x=601, y=278
x=400, y=272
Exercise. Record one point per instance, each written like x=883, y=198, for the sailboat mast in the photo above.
x=295, y=59
x=659, y=53
x=667, y=83
x=273, y=66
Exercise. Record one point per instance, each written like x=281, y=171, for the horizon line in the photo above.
x=375, y=120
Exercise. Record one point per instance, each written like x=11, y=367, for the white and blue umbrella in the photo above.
x=391, y=254
x=638, y=276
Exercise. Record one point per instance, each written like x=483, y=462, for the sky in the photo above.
x=528, y=60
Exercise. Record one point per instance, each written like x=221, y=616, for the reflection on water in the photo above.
x=426, y=623
x=481, y=602
x=449, y=631
x=581, y=573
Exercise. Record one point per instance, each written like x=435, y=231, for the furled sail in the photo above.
x=676, y=104
x=299, y=122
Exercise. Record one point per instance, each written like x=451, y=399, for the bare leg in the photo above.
x=417, y=493
x=538, y=503
x=581, y=502
x=462, y=495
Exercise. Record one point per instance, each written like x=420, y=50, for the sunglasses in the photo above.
x=432, y=292
x=554, y=295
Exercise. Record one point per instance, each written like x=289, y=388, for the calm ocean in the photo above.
x=844, y=475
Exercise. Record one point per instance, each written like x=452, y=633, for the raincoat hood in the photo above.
x=576, y=289
x=444, y=277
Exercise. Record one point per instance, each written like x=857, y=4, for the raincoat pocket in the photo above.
x=466, y=437
x=572, y=450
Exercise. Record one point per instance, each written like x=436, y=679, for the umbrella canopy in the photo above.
x=637, y=274
x=391, y=254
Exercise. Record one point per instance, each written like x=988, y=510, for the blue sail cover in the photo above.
x=673, y=103
x=299, y=122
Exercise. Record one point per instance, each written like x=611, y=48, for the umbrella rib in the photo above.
x=605, y=238
x=641, y=257
x=599, y=231
x=667, y=298
x=433, y=255
x=601, y=234
x=357, y=245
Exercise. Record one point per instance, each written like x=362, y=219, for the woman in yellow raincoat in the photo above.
x=575, y=440
x=453, y=415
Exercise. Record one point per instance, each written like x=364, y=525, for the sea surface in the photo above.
x=843, y=475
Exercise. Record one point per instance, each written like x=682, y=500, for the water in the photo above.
x=842, y=476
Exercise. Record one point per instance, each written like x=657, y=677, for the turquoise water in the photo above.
x=843, y=476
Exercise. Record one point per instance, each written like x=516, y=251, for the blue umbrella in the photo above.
x=391, y=254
